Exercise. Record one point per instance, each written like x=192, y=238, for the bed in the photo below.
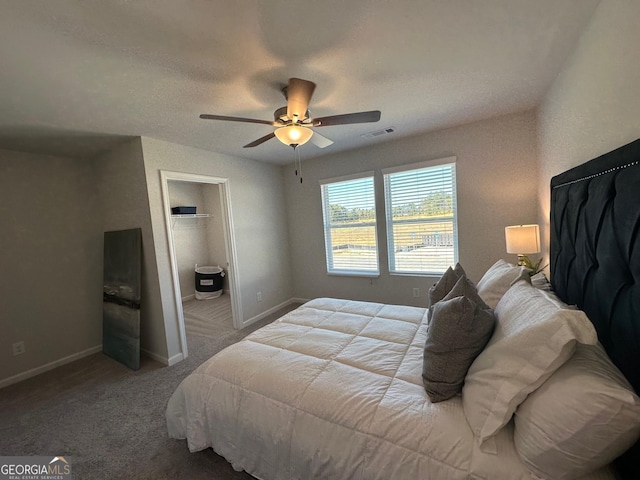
x=346, y=389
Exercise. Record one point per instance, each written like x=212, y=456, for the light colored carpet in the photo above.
x=111, y=420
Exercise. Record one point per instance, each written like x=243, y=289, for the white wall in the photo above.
x=259, y=223
x=197, y=240
x=593, y=106
x=497, y=186
x=50, y=261
x=190, y=235
x=215, y=228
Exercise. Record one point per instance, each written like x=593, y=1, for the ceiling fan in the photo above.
x=293, y=125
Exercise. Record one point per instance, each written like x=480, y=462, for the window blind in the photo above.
x=421, y=219
x=349, y=214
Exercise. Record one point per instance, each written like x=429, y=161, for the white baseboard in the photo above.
x=163, y=360
x=77, y=356
x=262, y=315
x=175, y=359
x=155, y=356
x=49, y=366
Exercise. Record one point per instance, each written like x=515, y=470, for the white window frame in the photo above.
x=387, y=173
x=327, y=227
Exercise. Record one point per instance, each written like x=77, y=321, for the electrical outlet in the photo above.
x=416, y=292
x=18, y=348
x=259, y=295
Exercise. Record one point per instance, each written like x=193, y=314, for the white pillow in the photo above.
x=582, y=418
x=533, y=337
x=497, y=280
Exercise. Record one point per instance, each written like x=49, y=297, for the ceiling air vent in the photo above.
x=379, y=133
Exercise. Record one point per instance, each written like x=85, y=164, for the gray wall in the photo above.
x=56, y=210
x=50, y=260
x=593, y=106
x=497, y=185
x=124, y=204
x=259, y=223
x=52, y=247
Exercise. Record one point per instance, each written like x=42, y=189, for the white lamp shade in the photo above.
x=293, y=134
x=522, y=239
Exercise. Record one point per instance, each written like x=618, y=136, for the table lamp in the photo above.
x=521, y=240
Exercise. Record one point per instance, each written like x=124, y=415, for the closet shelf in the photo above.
x=178, y=216
x=190, y=215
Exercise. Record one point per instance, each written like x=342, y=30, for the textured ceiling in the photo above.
x=78, y=77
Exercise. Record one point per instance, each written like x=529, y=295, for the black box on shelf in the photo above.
x=183, y=210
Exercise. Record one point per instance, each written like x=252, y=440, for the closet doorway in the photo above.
x=206, y=238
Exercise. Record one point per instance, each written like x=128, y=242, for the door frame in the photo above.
x=230, y=247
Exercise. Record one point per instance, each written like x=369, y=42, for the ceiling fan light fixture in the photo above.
x=293, y=134
x=293, y=124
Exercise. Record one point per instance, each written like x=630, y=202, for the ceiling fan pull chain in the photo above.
x=295, y=161
x=300, y=165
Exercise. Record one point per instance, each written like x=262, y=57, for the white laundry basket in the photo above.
x=209, y=281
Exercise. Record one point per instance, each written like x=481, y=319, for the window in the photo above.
x=349, y=213
x=421, y=217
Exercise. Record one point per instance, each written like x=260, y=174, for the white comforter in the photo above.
x=333, y=390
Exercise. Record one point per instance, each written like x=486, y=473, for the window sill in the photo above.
x=417, y=274
x=355, y=274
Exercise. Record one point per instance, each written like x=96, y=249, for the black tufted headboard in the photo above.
x=595, y=256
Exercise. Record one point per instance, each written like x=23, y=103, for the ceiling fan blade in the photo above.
x=206, y=116
x=320, y=141
x=260, y=141
x=360, y=117
x=299, y=94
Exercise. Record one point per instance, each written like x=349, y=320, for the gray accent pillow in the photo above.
x=465, y=288
x=459, y=271
x=442, y=288
x=458, y=332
